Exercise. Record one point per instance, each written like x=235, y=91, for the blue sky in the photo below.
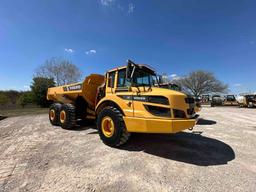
x=175, y=37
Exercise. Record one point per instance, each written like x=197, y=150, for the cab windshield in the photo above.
x=143, y=78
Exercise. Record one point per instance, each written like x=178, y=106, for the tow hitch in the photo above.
x=196, y=118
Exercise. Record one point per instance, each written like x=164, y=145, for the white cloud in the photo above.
x=238, y=85
x=131, y=8
x=91, y=51
x=106, y=2
x=69, y=50
x=26, y=87
x=117, y=5
x=174, y=76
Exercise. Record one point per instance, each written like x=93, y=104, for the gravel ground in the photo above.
x=218, y=155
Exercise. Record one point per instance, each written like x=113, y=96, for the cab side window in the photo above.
x=121, y=81
x=111, y=79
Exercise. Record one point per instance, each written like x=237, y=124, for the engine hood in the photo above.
x=161, y=91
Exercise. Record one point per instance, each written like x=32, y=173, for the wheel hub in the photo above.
x=52, y=114
x=107, y=126
x=62, y=116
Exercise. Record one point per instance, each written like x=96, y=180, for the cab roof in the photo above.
x=143, y=67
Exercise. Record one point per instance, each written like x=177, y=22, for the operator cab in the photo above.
x=138, y=85
x=133, y=75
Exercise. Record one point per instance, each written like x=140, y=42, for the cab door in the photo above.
x=140, y=95
x=110, y=84
x=123, y=93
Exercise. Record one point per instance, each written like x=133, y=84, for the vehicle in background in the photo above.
x=247, y=100
x=216, y=100
x=205, y=100
x=226, y=100
x=230, y=100
x=198, y=105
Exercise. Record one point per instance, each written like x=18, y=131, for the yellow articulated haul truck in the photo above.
x=126, y=100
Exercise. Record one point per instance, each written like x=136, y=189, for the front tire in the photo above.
x=67, y=116
x=54, y=113
x=111, y=127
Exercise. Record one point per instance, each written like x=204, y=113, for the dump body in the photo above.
x=69, y=93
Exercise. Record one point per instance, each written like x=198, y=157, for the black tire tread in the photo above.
x=56, y=107
x=125, y=135
x=70, y=116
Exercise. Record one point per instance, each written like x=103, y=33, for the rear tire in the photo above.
x=54, y=113
x=119, y=135
x=67, y=117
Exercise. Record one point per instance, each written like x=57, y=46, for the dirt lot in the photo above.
x=22, y=111
x=218, y=155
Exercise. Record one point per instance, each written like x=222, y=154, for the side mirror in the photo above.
x=130, y=69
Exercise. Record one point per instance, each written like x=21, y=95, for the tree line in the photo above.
x=53, y=72
x=200, y=82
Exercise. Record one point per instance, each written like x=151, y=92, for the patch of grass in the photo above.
x=22, y=111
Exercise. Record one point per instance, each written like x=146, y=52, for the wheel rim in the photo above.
x=52, y=114
x=107, y=126
x=62, y=116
